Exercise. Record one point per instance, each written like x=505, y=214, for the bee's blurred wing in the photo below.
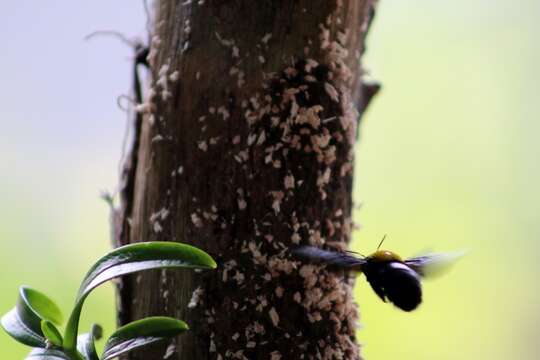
x=343, y=260
x=432, y=265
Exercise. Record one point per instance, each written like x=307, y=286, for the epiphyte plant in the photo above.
x=391, y=277
x=34, y=319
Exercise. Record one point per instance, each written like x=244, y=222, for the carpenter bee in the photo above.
x=392, y=278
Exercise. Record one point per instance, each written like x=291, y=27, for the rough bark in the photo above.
x=246, y=149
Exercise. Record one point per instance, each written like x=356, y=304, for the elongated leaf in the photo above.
x=23, y=322
x=14, y=326
x=133, y=258
x=47, y=354
x=86, y=343
x=141, y=333
x=51, y=333
x=144, y=256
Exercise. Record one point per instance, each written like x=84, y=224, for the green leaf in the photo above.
x=86, y=343
x=144, y=256
x=23, y=322
x=51, y=333
x=141, y=333
x=47, y=354
x=133, y=258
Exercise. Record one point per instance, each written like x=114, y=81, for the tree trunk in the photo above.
x=245, y=149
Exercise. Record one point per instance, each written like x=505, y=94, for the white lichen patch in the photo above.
x=288, y=182
x=155, y=43
x=174, y=76
x=241, y=79
x=276, y=203
x=277, y=265
x=262, y=303
x=228, y=266
x=187, y=27
x=157, y=227
x=266, y=38
x=274, y=317
x=196, y=298
x=295, y=238
x=171, y=349
x=331, y=91
x=223, y=112
x=223, y=41
x=196, y=220
x=157, y=138
x=162, y=214
x=156, y=217
x=162, y=82
x=239, y=277
x=251, y=139
x=242, y=204
x=324, y=178
x=314, y=316
x=202, y=145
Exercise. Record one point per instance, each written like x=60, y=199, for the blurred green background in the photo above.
x=448, y=159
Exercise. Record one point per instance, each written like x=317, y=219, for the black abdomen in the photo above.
x=396, y=282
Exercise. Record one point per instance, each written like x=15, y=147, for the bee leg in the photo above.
x=377, y=287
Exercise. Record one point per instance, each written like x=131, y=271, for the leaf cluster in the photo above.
x=35, y=319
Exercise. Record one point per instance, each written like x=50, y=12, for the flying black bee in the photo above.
x=392, y=278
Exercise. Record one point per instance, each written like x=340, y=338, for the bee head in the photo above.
x=384, y=256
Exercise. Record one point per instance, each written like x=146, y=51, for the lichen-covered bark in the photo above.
x=246, y=149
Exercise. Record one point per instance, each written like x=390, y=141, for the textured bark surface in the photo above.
x=246, y=149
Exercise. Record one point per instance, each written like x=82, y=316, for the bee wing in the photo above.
x=431, y=265
x=343, y=260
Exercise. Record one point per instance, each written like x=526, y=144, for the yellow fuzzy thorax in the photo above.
x=384, y=255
